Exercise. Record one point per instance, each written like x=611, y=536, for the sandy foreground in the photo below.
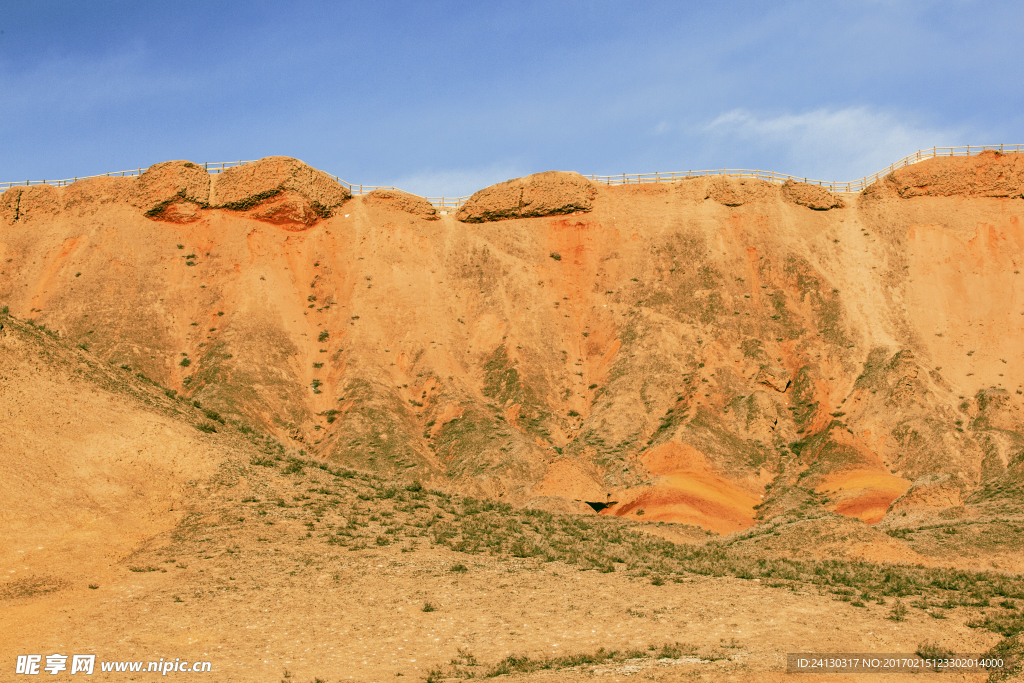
x=267, y=602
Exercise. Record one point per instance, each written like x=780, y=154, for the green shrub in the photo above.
x=676, y=651
x=1004, y=624
x=429, y=607
x=207, y=427
x=324, y=336
x=932, y=650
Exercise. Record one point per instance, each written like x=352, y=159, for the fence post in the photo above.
x=219, y=167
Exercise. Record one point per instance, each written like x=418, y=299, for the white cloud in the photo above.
x=830, y=144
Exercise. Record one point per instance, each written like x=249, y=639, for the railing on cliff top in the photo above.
x=449, y=203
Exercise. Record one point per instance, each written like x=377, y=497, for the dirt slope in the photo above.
x=96, y=460
x=690, y=350
x=138, y=526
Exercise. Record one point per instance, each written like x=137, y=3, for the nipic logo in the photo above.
x=32, y=665
x=55, y=664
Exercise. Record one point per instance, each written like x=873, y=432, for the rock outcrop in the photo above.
x=812, y=196
x=279, y=190
x=10, y=205
x=24, y=203
x=551, y=193
x=173, y=191
x=403, y=201
x=82, y=197
x=733, y=191
x=989, y=174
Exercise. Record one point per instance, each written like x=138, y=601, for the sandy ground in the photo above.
x=358, y=616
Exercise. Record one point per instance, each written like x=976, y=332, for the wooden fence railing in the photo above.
x=771, y=176
x=453, y=203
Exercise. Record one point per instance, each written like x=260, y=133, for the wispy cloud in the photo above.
x=830, y=144
x=64, y=86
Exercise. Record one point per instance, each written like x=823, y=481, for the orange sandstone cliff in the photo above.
x=712, y=351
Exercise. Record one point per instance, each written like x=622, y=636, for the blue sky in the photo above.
x=448, y=97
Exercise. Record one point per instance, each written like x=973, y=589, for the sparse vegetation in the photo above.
x=514, y=664
x=932, y=650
